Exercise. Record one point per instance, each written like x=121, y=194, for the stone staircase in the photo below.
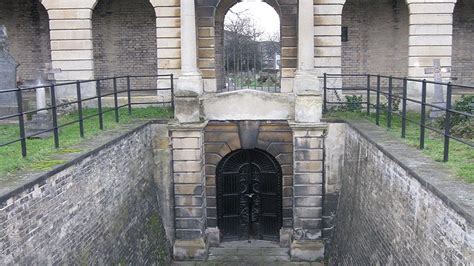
x=256, y=252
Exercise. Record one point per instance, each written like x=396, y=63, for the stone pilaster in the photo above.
x=70, y=25
x=308, y=143
x=431, y=27
x=189, y=191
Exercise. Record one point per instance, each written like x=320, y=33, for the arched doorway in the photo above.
x=249, y=195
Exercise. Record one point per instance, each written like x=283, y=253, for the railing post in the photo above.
x=55, y=117
x=377, y=107
x=389, y=105
x=129, y=96
x=404, y=107
x=368, y=94
x=325, y=108
x=79, y=109
x=99, y=105
x=172, y=93
x=423, y=115
x=447, y=122
x=21, y=121
x=116, y=110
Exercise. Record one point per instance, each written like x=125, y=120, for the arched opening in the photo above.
x=124, y=39
x=249, y=195
x=248, y=45
x=463, y=43
x=375, y=38
x=27, y=26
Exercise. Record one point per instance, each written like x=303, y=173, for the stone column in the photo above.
x=190, y=79
x=308, y=145
x=190, y=84
x=305, y=78
x=70, y=25
x=189, y=192
x=431, y=27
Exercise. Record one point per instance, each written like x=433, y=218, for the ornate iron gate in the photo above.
x=249, y=196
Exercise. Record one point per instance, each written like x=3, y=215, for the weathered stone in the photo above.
x=190, y=249
x=213, y=237
x=305, y=250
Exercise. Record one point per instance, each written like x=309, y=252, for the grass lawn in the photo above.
x=40, y=150
x=461, y=156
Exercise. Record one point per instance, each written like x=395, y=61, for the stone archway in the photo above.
x=124, y=40
x=27, y=24
x=210, y=19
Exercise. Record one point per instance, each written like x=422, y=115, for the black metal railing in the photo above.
x=402, y=91
x=81, y=88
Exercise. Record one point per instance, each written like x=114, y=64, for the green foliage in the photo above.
x=461, y=125
x=353, y=103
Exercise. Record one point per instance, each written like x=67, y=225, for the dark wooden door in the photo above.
x=249, y=196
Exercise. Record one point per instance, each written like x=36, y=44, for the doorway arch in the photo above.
x=249, y=195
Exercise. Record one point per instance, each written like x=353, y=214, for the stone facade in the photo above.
x=397, y=207
x=99, y=209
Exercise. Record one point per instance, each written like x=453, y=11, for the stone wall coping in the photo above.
x=434, y=176
x=31, y=179
x=308, y=126
x=176, y=126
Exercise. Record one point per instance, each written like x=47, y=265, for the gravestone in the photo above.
x=438, y=97
x=8, y=65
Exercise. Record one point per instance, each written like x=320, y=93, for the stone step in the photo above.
x=243, y=263
x=248, y=252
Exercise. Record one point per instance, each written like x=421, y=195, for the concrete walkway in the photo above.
x=243, y=253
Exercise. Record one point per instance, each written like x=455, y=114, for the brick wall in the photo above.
x=463, y=38
x=378, y=37
x=102, y=209
x=124, y=37
x=28, y=33
x=389, y=216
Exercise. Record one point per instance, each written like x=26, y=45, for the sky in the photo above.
x=265, y=17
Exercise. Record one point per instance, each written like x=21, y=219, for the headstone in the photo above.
x=8, y=65
x=42, y=120
x=438, y=97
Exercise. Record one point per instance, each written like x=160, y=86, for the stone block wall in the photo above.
x=99, y=209
x=390, y=215
x=463, y=39
x=124, y=38
x=308, y=181
x=188, y=180
x=27, y=26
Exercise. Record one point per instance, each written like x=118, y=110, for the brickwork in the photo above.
x=27, y=26
x=308, y=181
x=463, y=38
x=188, y=179
x=221, y=138
x=388, y=215
x=102, y=209
x=377, y=37
x=124, y=38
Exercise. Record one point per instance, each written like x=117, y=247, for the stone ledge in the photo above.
x=455, y=193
